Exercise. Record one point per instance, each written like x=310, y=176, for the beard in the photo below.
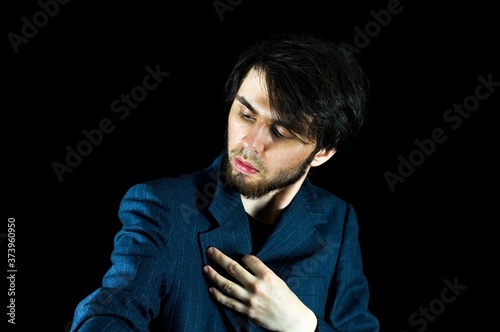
x=264, y=184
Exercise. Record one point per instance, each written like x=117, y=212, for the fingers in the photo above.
x=231, y=266
x=235, y=293
x=255, y=265
x=226, y=292
x=228, y=301
x=257, y=293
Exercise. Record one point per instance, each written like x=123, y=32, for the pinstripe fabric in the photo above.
x=155, y=282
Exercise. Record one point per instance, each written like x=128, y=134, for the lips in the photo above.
x=244, y=167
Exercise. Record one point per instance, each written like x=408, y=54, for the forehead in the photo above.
x=253, y=93
x=254, y=82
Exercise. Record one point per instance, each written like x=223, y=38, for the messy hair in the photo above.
x=316, y=89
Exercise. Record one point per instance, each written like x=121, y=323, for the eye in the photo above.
x=246, y=116
x=281, y=132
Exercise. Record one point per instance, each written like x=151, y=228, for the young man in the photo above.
x=249, y=243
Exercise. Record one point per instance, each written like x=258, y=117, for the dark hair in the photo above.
x=316, y=89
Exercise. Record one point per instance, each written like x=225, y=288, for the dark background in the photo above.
x=438, y=224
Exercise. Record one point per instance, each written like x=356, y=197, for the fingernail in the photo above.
x=205, y=269
x=210, y=250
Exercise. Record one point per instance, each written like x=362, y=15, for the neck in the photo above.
x=268, y=208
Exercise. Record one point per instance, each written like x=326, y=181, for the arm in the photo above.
x=132, y=288
x=349, y=287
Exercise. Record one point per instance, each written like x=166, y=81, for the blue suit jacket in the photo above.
x=156, y=281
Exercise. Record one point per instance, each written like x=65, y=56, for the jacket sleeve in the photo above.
x=132, y=288
x=349, y=293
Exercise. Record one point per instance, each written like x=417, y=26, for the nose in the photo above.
x=256, y=139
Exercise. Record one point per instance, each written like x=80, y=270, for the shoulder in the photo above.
x=170, y=193
x=335, y=218
x=328, y=197
x=324, y=201
x=159, y=206
x=164, y=187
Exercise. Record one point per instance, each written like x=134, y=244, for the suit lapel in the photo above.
x=296, y=237
x=231, y=235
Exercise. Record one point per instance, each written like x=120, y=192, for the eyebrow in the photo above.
x=245, y=102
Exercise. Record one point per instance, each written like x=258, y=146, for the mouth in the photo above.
x=243, y=167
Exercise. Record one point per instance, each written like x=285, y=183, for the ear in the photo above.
x=322, y=156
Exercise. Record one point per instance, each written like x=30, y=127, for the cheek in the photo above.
x=232, y=134
x=290, y=157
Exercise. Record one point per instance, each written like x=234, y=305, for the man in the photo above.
x=249, y=243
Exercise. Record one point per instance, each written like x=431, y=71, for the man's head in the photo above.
x=316, y=90
x=295, y=101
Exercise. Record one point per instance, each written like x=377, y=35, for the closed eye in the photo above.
x=281, y=132
x=246, y=116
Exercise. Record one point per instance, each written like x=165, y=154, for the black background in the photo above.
x=438, y=224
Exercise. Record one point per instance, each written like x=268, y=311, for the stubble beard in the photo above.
x=263, y=185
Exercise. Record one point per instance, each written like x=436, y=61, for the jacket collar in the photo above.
x=294, y=237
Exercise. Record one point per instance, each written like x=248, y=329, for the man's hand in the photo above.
x=259, y=294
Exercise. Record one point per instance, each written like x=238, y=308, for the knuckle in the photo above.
x=227, y=287
x=251, y=314
x=230, y=304
x=259, y=288
x=232, y=268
